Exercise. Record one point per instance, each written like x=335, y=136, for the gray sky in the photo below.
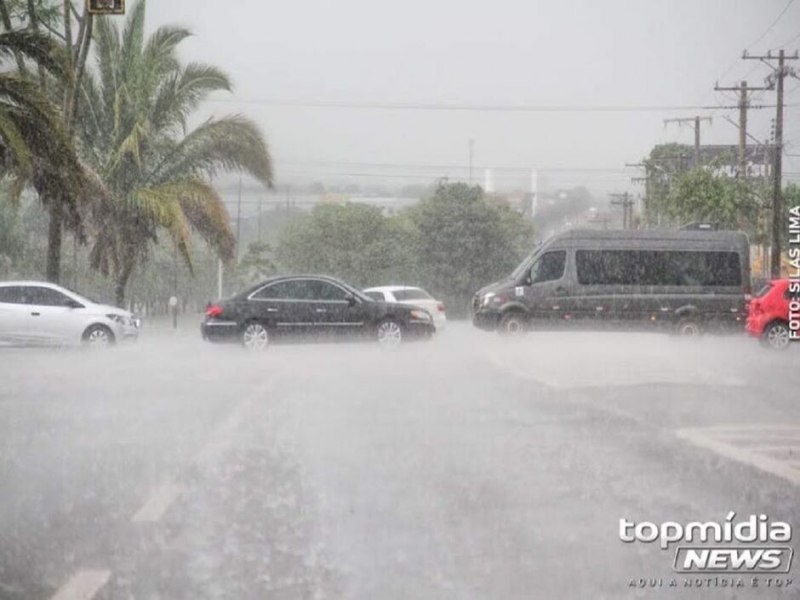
x=499, y=53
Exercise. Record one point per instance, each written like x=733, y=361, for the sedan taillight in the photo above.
x=440, y=307
x=215, y=310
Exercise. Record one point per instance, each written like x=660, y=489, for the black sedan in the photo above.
x=314, y=307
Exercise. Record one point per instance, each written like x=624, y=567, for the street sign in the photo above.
x=106, y=7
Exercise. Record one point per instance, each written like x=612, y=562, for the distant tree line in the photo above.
x=451, y=243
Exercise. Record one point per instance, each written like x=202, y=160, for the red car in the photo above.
x=768, y=314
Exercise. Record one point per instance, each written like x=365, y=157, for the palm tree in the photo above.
x=33, y=143
x=134, y=133
x=61, y=181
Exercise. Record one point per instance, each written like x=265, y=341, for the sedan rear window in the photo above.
x=411, y=294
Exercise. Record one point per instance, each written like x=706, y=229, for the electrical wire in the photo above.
x=775, y=22
x=761, y=37
x=518, y=108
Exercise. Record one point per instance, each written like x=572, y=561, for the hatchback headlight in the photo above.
x=422, y=315
x=123, y=320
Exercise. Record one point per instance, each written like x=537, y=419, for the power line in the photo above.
x=518, y=108
x=761, y=37
x=419, y=176
x=797, y=36
x=454, y=167
x=775, y=22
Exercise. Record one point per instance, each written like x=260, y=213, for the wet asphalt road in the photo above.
x=467, y=467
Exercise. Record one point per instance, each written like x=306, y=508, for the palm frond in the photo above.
x=162, y=205
x=159, y=49
x=34, y=46
x=182, y=93
x=15, y=145
x=132, y=40
x=107, y=50
x=232, y=143
x=206, y=213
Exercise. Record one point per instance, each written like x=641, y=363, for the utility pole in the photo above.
x=776, y=77
x=471, y=157
x=696, y=123
x=642, y=205
x=260, y=203
x=238, y=218
x=626, y=202
x=219, y=279
x=744, y=102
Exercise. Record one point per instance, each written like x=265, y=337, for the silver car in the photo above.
x=41, y=313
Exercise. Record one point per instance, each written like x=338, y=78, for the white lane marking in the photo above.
x=708, y=438
x=83, y=585
x=223, y=435
x=157, y=503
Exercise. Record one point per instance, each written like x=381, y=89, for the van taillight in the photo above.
x=213, y=311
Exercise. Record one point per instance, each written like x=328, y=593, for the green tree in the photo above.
x=465, y=242
x=352, y=241
x=665, y=164
x=256, y=265
x=703, y=195
x=158, y=173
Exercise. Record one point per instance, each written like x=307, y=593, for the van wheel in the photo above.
x=688, y=328
x=513, y=324
x=777, y=336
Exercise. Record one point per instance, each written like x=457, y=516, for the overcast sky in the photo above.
x=556, y=53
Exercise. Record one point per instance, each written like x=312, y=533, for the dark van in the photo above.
x=686, y=281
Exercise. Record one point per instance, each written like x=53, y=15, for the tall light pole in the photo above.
x=471, y=157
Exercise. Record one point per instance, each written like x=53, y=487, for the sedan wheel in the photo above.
x=390, y=334
x=98, y=336
x=777, y=336
x=255, y=336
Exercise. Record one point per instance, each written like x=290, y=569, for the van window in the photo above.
x=550, y=267
x=658, y=267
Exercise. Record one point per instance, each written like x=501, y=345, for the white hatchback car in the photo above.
x=41, y=313
x=411, y=295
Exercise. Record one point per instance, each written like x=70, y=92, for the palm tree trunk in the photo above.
x=122, y=279
x=54, y=239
